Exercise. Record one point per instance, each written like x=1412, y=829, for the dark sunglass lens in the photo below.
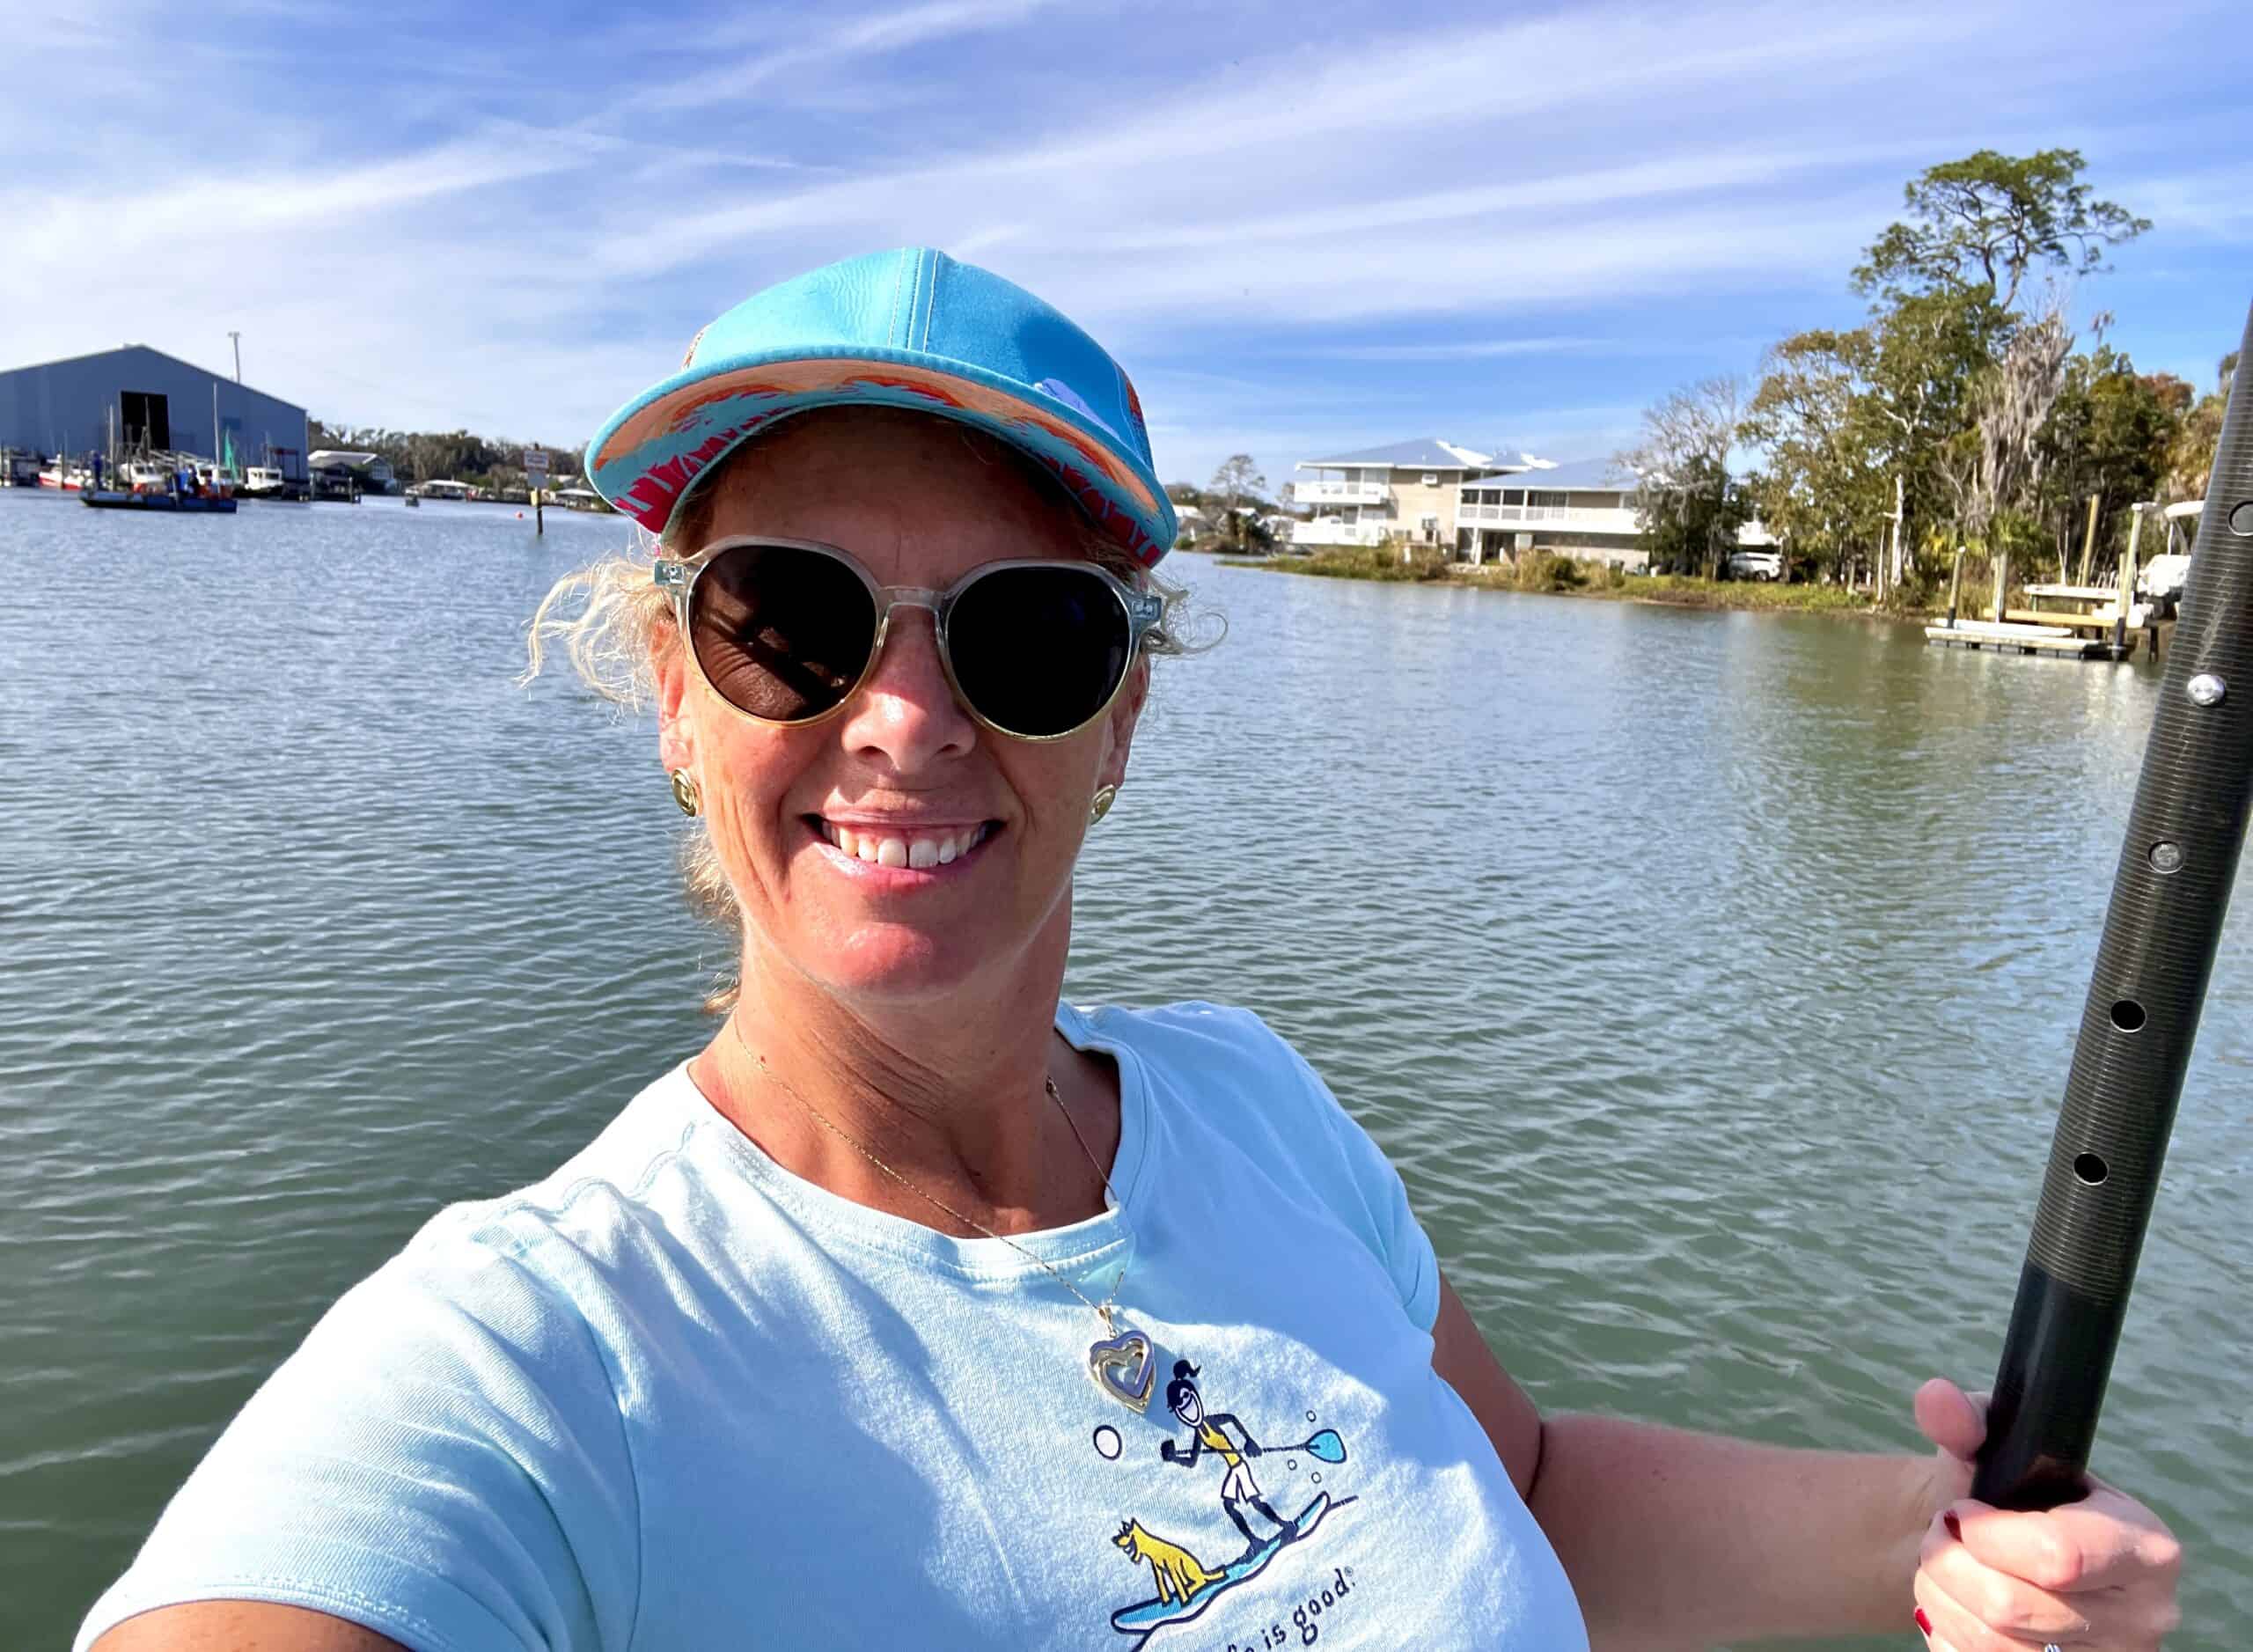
x=781, y=632
x=1039, y=650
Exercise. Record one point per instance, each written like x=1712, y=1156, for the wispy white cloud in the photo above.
x=228, y=207
x=2210, y=202
x=1324, y=123
x=785, y=49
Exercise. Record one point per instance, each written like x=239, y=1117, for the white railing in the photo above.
x=1318, y=492
x=1594, y=518
x=1337, y=534
x=1510, y=513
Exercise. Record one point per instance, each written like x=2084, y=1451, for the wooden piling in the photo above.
x=2002, y=581
x=2088, y=541
x=1955, y=586
x=2127, y=598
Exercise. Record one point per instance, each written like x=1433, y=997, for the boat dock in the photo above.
x=2094, y=623
x=2009, y=637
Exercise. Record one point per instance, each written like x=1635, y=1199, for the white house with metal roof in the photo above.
x=1585, y=509
x=1404, y=490
x=1477, y=504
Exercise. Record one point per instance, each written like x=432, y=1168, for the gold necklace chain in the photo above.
x=1102, y=1309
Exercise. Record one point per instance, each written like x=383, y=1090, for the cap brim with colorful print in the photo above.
x=912, y=328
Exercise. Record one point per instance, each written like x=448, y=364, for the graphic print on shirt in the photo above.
x=1186, y=1584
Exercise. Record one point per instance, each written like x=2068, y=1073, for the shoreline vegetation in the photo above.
x=1554, y=575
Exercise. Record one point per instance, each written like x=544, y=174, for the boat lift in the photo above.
x=2096, y=621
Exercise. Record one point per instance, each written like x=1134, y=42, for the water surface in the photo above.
x=1711, y=977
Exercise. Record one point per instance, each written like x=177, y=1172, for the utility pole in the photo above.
x=239, y=353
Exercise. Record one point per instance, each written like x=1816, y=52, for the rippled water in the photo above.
x=1711, y=977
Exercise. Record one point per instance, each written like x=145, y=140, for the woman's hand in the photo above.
x=2095, y=1573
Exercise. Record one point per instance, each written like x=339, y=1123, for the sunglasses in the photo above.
x=784, y=630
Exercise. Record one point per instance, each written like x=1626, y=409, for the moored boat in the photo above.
x=193, y=489
x=190, y=504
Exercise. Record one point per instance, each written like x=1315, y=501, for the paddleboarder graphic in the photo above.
x=1186, y=1585
x=1208, y=1432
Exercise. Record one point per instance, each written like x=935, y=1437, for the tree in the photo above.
x=2191, y=455
x=1824, y=491
x=1690, y=519
x=1237, y=481
x=1686, y=508
x=2108, y=434
x=1234, y=504
x=1918, y=362
x=1242, y=534
x=1988, y=219
x=2000, y=465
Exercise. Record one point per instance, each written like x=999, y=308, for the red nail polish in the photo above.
x=1924, y=1624
x=1954, y=1529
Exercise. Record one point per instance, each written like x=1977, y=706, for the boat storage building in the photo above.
x=65, y=408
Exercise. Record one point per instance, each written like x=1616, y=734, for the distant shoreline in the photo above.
x=1661, y=591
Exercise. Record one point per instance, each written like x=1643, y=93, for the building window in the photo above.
x=1431, y=478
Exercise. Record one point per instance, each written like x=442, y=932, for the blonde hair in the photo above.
x=610, y=618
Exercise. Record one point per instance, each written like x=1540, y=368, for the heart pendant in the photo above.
x=1124, y=1366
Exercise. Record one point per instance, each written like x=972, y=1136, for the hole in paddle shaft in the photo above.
x=2091, y=1169
x=2128, y=1016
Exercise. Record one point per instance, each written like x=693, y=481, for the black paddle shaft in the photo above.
x=2177, y=868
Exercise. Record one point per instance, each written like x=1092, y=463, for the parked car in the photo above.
x=1756, y=564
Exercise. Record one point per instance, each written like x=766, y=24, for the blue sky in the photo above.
x=1303, y=228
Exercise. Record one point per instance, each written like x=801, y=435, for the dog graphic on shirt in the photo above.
x=1178, y=1573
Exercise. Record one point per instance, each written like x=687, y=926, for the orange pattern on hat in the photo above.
x=679, y=416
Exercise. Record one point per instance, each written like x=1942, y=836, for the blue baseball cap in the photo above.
x=912, y=328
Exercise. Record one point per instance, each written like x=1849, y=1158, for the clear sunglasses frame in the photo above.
x=680, y=574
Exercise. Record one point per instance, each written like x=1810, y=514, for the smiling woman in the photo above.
x=1035, y=648
x=847, y=1330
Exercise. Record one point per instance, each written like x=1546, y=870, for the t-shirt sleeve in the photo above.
x=1372, y=1199
x=442, y=1461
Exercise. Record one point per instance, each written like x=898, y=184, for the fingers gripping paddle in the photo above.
x=2153, y=965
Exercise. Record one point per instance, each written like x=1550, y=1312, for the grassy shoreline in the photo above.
x=1662, y=589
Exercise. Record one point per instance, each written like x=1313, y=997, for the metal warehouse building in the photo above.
x=66, y=408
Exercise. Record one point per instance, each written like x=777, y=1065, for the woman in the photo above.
x=848, y=1332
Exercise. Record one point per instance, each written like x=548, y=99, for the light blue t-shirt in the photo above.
x=674, y=1397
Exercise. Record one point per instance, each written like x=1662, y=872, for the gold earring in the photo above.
x=685, y=793
x=1105, y=796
